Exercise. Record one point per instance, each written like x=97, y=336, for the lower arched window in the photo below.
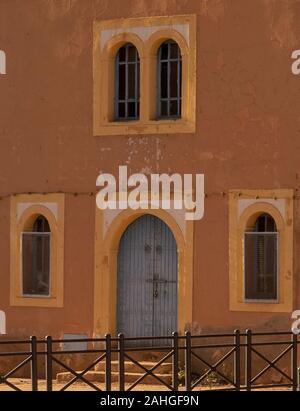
x=36, y=258
x=261, y=260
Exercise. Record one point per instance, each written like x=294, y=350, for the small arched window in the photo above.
x=169, y=80
x=127, y=92
x=261, y=260
x=36, y=258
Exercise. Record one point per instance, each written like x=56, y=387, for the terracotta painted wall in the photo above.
x=246, y=136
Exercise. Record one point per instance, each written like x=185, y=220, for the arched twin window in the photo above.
x=261, y=260
x=36, y=258
x=169, y=83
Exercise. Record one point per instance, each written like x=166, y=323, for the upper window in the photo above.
x=261, y=266
x=127, y=105
x=144, y=75
x=169, y=80
x=36, y=258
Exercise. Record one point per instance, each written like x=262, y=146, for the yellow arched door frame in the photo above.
x=106, y=253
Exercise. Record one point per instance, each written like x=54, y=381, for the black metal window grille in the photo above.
x=36, y=258
x=261, y=260
x=169, y=74
x=127, y=95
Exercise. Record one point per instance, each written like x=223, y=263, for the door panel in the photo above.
x=165, y=280
x=147, y=279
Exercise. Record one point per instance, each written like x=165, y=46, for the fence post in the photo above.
x=299, y=379
x=294, y=362
x=121, y=363
x=49, y=363
x=188, y=362
x=248, y=359
x=34, y=372
x=175, y=368
x=237, y=360
x=108, y=362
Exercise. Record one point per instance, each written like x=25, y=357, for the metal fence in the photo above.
x=233, y=361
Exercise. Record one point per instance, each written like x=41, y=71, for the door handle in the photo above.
x=155, y=293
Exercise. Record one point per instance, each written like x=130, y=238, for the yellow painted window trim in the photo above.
x=264, y=203
x=37, y=204
x=104, y=74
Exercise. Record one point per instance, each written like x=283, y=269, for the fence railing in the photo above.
x=233, y=361
x=30, y=354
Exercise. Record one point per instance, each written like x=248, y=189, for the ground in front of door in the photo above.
x=24, y=384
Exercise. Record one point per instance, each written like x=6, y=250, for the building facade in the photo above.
x=160, y=87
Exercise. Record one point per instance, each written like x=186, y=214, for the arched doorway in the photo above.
x=147, y=284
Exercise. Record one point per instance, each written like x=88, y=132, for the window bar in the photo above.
x=42, y=256
x=266, y=262
x=139, y=90
x=169, y=79
x=34, y=257
x=117, y=95
x=178, y=81
x=158, y=91
x=135, y=84
x=126, y=82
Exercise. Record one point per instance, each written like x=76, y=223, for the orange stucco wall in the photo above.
x=247, y=131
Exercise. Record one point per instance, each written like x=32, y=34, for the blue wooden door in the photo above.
x=147, y=279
